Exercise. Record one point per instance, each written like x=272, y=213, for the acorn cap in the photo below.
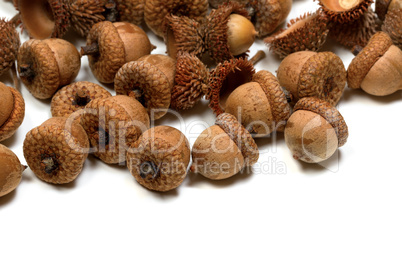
x=131, y=10
x=111, y=55
x=44, y=19
x=344, y=11
x=64, y=142
x=225, y=78
x=381, y=8
x=393, y=26
x=85, y=13
x=191, y=81
x=154, y=88
x=216, y=38
x=280, y=107
x=362, y=63
x=357, y=32
x=183, y=34
x=155, y=12
x=9, y=44
x=15, y=116
x=76, y=96
x=308, y=32
x=242, y=138
x=328, y=112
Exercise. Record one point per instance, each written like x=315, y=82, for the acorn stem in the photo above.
x=356, y=49
x=257, y=57
x=50, y=163
x=149, y=168
x=81, y=99
x=26, y=71
x=111, y=13
x=92, y=49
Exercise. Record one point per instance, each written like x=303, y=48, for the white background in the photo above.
x=341, y=220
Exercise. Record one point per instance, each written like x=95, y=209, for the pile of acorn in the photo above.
x=206, y=57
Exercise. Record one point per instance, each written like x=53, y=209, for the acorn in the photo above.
x=56, y=150
x=308, y=32
x=315, y=130
x=155, y=12
x=131, y=11
x=9, y=45
x=382, y=7
x=12, y=111
x=113, y=124
x=10, y=171
x=393, y=26
x=224, y=149
x=377, y=68
x=46, y=65
x=45, y=18
x=76, y=96
x=150, y=80
x=341, y=11
x=225, y=78
x=260, y=106
x=159, y=158
x=111, y=45
x=308, y=74
x=229, y=32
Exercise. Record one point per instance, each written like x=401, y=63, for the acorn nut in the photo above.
x=10, y=171
x=159, y=158
x=315, y=130
x=46, y=65
x=12, y=111
x=56, y=150
x=223, y=149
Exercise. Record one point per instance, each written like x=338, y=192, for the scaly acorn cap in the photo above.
x=242, y=138
x=183, y=34
x=357, y=32
x=216, y=3
x=328, y=112
x=155, y=12
x=362, y=63
x=85, y=13
x=56, y=150
x=9, y=45
x=381, y=8
x=343, y=11
x=44, y=19
x=15, y=114
x=393, y=26
x=76, y=96
x=131, y=10
x=225, y=78
x=308, y=32
x=191, y=81
x=216, y=36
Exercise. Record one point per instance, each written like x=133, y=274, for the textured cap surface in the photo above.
x=85, y=13
x=9, y=44
x=393, y=26
x=268, y=14
x=131, y=10
x=16, y=117
x=338, y=14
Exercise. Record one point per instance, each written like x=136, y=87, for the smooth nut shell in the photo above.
x=10, y=171
x=16, y=116
x=7, y=103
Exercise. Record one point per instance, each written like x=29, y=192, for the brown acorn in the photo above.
x=111, y=45
x=159, y=158
x=343, y=11
x=10, y=171
x=261, y=105
x=382, y=7
x=315, y=130
x=308, y=32
x=131, y=11
x=76, y=96
x=216, y=3
x=223, y=149
x=44, y=18
x=56, y=150
x=308, y=74
x=12, y=111
x=46, y=65
x=113, y=124
x=393, y=26
x=9, y=45
x=155, y=12
x=377, y=68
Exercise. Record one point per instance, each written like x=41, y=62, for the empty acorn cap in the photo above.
x=9, y=44
x=362, y=63
x=243, y=139
x=12, y=111
x=342, y=11
x=328, y=112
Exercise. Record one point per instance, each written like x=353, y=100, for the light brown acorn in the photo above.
x=308, y=74
x=224, y=149
x=12, y=111
x=44, y=18
x=46, y=65
x=10, y=171
x=159, y=158
x=343, y=11
x=315, y=130
x=56, y=150
x=111, y=45
x=113, y=124
x=393, y=25
x=261, y=105
x=377, y=68
x=9, y=45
